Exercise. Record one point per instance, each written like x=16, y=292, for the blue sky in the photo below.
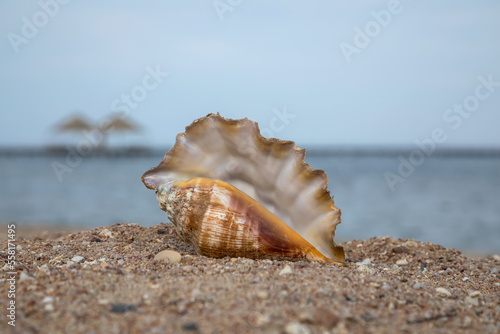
x=256, y=59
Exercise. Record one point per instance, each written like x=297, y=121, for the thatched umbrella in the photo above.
x=76, y=123
x=118, y=124
x=114, y=123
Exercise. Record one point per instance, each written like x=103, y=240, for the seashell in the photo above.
x=231, y=192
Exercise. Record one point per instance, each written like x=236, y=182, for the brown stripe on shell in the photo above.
x=271, y=238
x=193, y=203
x=223, y=221
x=222, y=233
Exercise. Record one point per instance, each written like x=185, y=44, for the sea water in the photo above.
x=453, y=201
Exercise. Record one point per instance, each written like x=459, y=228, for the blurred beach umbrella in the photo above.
x=116, y=124
x=99, y=133
x=120, y=124
x=75, y=123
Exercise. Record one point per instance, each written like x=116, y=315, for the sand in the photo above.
x=106, y=280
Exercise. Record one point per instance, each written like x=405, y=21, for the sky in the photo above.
x=386, y=73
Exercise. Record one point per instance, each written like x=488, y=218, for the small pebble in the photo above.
x=496, y=257
x=395, y=269
x=326, y=318
x=24, y=277
x=168, y=256
x=402, y=262
x=187, y=269
x=296, y=328
x=365, y=262
x=196, y=294
x=77, y=259
x=465, y=279
x=443, y=292
x=190, y=326
x=401, y=250
x=262, y=294
x=285, y=271
x=122, y=308
x=475, y=294
x=419, y=285
x=49, y=307
x=47, y=299
x=45, y=267
x=306, y=317
x=365, y=269
x=494, y=270
x=107, y=233
x=472, y=301
x=410, y=244
x=262, y=319
x=244, y=268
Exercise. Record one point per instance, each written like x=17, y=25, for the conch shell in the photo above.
x=231, y=192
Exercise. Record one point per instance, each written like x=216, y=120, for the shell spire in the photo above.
x=231, y=192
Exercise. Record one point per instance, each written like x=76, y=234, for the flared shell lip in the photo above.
x=178, y=148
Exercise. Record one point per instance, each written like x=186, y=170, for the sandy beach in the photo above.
x=107, y=280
